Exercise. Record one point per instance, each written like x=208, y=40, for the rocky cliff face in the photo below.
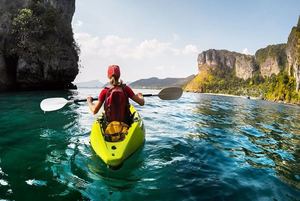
x=37, y=49
x=65, y=7
x=293, y=54
x=271, y=59
x=217, y=59
x=267, y=61
x=245, y=66
x=226, y=61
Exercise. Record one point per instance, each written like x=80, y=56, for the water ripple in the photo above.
x=200, y=147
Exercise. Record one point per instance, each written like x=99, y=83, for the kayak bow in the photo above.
x=114, y=153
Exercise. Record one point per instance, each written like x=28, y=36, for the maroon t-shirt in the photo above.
x=127, y=90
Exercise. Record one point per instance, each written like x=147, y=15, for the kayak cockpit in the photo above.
x=113, y=153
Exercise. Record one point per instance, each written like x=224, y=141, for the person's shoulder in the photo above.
x=127, y=87
x=104, y=90
x=129, y=91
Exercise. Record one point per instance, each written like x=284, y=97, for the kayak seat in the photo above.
x=115, y=131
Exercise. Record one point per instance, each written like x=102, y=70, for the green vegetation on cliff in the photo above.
x=37, y=47
x=273, y=51
x=217, y=81
x=274, y=73
x=39, y=30
x=279, y=87
x=294, y=48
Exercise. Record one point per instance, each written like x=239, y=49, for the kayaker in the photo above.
x=115, y=98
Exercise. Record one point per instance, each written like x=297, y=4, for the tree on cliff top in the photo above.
x=39, y=28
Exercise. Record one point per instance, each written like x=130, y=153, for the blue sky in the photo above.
x=162, y=38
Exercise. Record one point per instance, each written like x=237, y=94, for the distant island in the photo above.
x=156, y=83
x=90, y=84
x=273, y=73
x=150, y=83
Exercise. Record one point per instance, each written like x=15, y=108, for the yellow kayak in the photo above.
x=114, y=153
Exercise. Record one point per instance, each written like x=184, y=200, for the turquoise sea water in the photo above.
x=200, y=147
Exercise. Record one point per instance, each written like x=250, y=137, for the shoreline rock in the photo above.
x=37, y=48
x=247, y=97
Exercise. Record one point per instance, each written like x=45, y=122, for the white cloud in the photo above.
x=160, y=68
x=77, y=24
x=245, y=51
x=112, y=45
x=89, y=45
x=175, y=37
x=112, y=40
x=157, y=58
x=150, y=48
x=190, y=49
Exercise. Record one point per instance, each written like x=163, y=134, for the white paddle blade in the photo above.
x=52, y=104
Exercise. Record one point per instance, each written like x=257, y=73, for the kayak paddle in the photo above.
x=52, y=104
x=170, y=93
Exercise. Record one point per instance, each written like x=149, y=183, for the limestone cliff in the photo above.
x=271, y=59
x=242, y=65
x=37, y=49
x=217, y=59
x=222, y=70
x=293, y=54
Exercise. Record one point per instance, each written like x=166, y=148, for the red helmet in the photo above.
x=113, y=70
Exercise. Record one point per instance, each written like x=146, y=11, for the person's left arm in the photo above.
x=94, y=107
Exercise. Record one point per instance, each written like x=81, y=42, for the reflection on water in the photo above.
x=263, y=135
x=200, y=147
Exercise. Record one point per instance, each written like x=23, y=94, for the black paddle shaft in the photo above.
x=94, y=98
x=170, y=93
x=83, y=100
x=148, y=95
